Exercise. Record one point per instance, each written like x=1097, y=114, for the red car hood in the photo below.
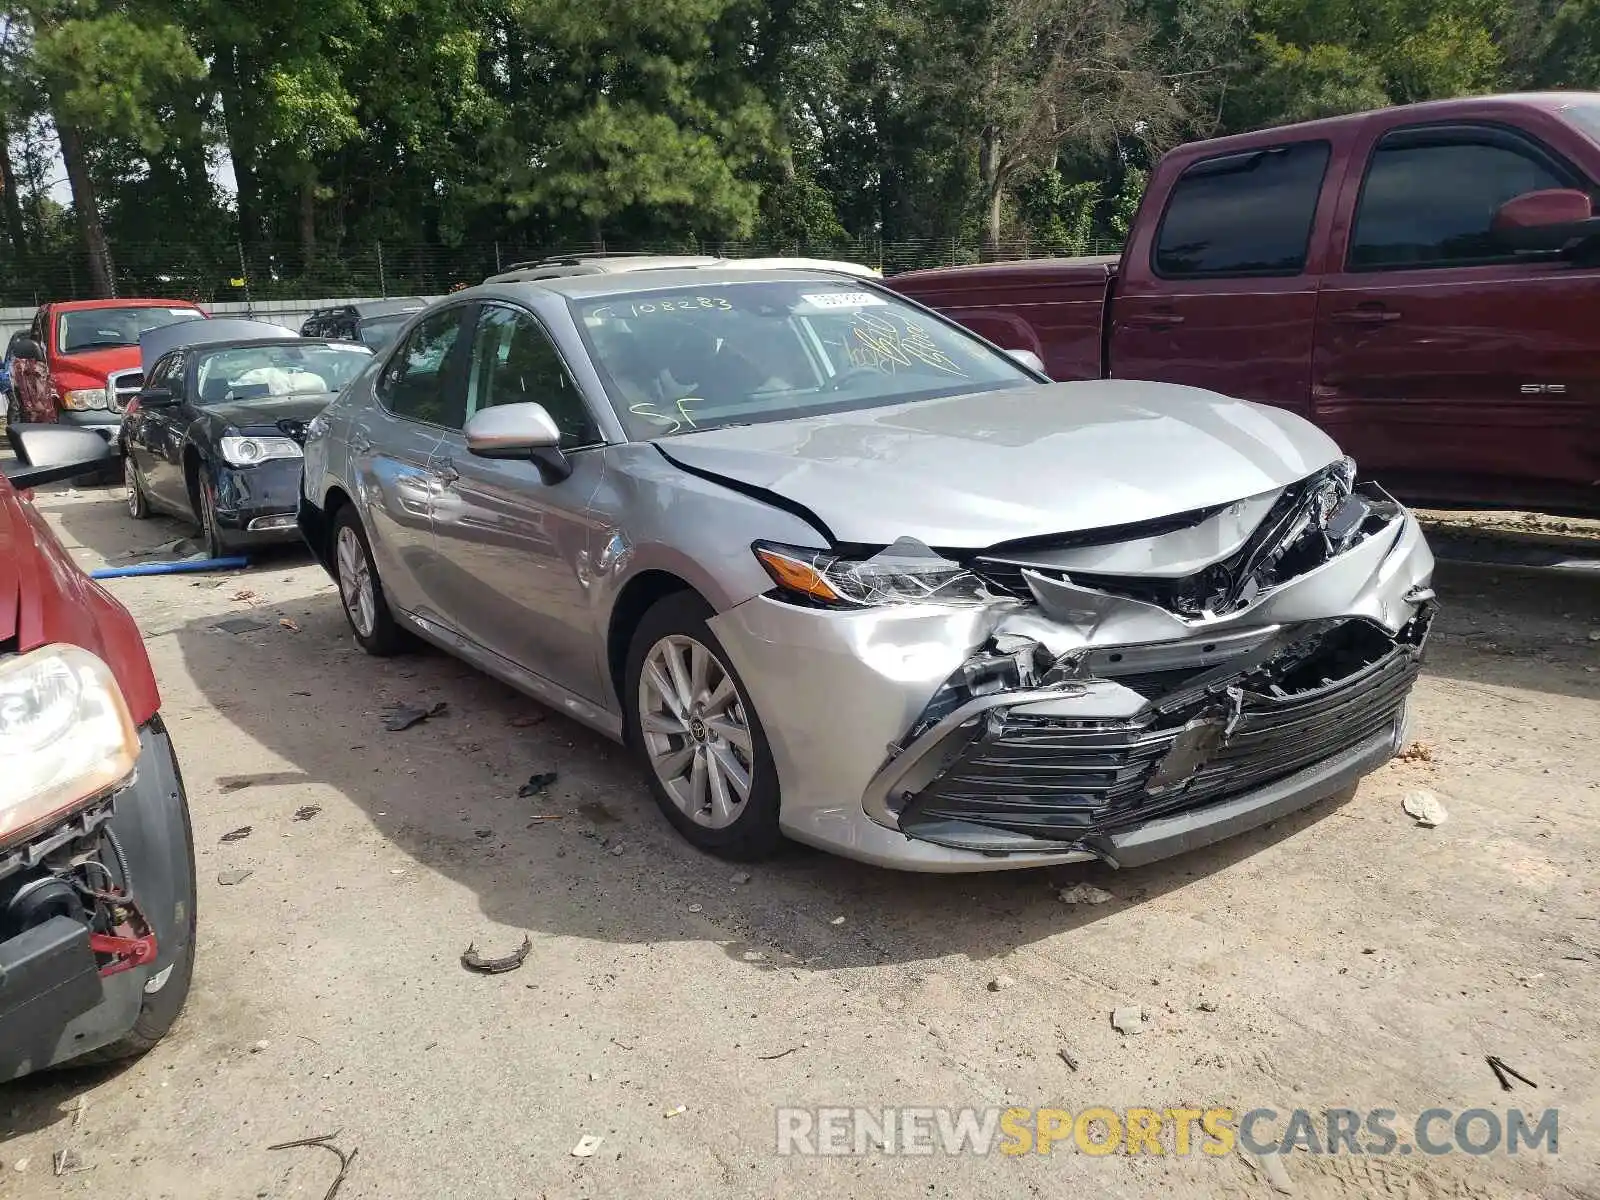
x=45, y=598
x=97, y=364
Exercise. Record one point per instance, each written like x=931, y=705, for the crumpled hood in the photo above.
x=266, y=412
x=970, y=471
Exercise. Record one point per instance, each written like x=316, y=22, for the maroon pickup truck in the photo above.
x=1422, y=282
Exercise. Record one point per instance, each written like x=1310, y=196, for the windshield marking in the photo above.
x=884, y=346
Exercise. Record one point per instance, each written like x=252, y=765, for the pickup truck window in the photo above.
x=1242, y=214
x=1430, y=196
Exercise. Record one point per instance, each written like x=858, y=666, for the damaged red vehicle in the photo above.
x=97, y=880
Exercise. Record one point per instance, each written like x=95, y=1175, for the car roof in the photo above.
x=81, y=305
x=597, y=264
x=622, y=283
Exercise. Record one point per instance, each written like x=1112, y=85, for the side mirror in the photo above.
x=53, y=453
x=519, y=431
x=1546, y=220
x=28, y=349
x=156, y=397
x=1028, y=359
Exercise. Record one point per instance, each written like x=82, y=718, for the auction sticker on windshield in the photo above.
x=843, y=300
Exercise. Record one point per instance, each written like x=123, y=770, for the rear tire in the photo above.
x=689, y=717
x=138, y=502
x=360, y=589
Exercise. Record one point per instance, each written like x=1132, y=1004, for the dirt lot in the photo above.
x=1343, y=958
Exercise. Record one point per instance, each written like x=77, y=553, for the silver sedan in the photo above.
x=840, y=571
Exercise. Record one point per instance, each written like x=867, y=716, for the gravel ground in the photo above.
x=1343, y=958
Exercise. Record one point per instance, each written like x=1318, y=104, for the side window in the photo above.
x=168, y=373
x=1243, y=214
x=420, y=382
x=514, y=362
x=1429, y=197
x=41, y=323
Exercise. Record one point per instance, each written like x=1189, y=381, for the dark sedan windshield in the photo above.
x=102, y=328
x=735, y=353
x=251, y=372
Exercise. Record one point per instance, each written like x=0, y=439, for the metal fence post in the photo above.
x=383, y=285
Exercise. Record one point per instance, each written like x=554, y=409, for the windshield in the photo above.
x=736, y=353
x=378, y=332
x=252, y=372
x=1584, y=113
x=103, y=328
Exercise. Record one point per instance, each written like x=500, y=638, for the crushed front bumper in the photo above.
x=1130, y=749
x=259, y=503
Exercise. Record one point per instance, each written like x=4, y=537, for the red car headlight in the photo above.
x=65, y=736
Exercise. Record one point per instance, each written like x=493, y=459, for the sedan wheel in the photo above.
x=355, y=582
x=138, y=506
x=695, y=731
x=689, y=715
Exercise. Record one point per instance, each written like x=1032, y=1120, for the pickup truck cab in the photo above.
x=1421, y=282
x=79, y=364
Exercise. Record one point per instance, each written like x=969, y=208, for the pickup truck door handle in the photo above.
x=1155, y=320
x=1374, y=314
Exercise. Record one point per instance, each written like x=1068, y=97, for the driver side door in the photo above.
x=155, y=438
x=510, y=543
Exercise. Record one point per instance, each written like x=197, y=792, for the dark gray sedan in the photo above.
x=840, y=570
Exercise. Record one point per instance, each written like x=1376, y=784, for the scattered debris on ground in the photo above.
x=244, y=596
x=740, y=877
x=260, y=1046
x=1128, y=1020
x=1068, y=1057
x=236, y=835
x=778, y=1055
x=1001, y=982
x=232, y=878
x=237, y=625
x=1502, y=1071
x=676, y=1112
x=695, y=908
x=526, y=722
x=325, y=1142
x=1085, y=893
x=306, y=811
x=538, y=784
x=586, y=1146
x=473, y=961
x=68, y=1162
x=837, y=921
x=1416, y=752
x=404, y=716
x=1207, y=1006
x=288, y=624
x=1423, y=807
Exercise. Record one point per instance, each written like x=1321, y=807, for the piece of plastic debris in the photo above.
x=288, y=624
x=239, y=625
x=180, y=567
x=473, y=961
x=676, y=1112
x=593, y=1077
x=695, y=908
x=259, y=1047
x=1423, y=807
x=1128, y=1020
x=741, y=877
x=306, y=811
x=1001, y=982
x=68, y=1162
x=236, y=835
x=1085, y=893
x=617, y=849
x=1277, y=1174
x=232, y=878
x=837, y=921
x=20, y=1165
x=538, y=783
x=404, y=716
x=244, y=596
x=1068, y=1057
x=586, y=1146
x=1206, y=1006
x=483, y=833
x=524, y=722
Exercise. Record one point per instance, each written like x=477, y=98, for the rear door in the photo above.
x=391, y=444
x=1445, y=363
x=1219, y=290
x=510, y=544
x=30, y=378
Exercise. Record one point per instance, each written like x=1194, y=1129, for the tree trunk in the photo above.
x=102, y=272
x=15, y=229
x=993, y=190
x=242, y=151
x=308, y=221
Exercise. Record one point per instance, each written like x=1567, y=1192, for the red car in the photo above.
x=79, y=364
x=97, y=877
x=1422, y=282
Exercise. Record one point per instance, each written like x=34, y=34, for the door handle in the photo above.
x=1153, y=320
x=1375, y=315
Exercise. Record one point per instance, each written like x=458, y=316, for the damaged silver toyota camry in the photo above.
x=839, y=570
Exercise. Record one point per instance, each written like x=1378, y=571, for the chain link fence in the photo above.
x=287, y=272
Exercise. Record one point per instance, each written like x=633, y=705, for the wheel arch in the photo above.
x=637, y=597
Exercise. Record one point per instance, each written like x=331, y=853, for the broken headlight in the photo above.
x=907, y=572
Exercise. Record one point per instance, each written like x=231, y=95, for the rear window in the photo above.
x=1243, y=214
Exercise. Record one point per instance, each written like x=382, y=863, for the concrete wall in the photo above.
x=288, y=313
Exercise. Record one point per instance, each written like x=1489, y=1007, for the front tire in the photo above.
x=210, y=532
x=360, y=589
x=705, y=752
x=138, y=502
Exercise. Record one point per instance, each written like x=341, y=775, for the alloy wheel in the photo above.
x=695, y=731
x=131, y=479
x=355, y=581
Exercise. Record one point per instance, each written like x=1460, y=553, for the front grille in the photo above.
x=124, y=386
x=1062, y=779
